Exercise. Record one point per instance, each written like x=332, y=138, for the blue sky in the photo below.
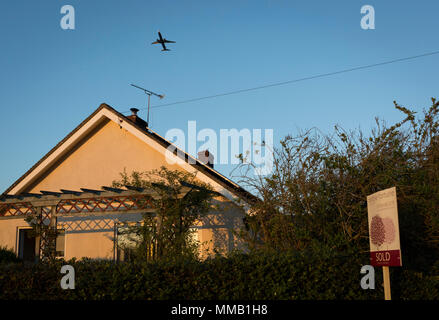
x=52, y=79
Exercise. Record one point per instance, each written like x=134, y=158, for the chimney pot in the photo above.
x=206, y=157
x=136, y=119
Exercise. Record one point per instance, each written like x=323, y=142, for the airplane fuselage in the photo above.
x=162, y=41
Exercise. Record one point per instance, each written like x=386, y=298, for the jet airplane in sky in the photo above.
x=162, y=41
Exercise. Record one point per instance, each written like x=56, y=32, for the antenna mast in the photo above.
x=149, y=93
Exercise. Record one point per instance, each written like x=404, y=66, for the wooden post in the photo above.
x=386, y=277
x=38, y=237
x=158, y=242
x=53, y=218
x=53, y=231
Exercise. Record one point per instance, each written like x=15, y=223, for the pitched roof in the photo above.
x=229, y=185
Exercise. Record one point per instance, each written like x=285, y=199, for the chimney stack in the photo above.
x=206, y=157
x=136, y=119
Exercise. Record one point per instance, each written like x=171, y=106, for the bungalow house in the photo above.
x=93, y=155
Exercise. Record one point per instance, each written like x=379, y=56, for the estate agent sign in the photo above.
x=382, y=208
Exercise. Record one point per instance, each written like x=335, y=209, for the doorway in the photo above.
x=26, y=245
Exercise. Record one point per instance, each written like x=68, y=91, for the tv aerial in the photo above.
x=149, y=94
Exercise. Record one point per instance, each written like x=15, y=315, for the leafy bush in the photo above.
x=316, y=194
x=166, y=232
x=7, y=256
x=256, y=276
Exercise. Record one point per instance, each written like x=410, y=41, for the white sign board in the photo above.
x=382, y=209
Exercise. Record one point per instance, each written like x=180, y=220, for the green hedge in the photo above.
x=257, y=277
x=7, y=256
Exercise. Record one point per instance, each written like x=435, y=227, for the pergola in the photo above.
x=45, y=207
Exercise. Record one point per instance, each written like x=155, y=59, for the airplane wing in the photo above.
x=155, y=42
x=168, y=41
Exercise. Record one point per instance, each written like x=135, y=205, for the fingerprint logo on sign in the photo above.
x=389, y=231
x=382, y=231
x=377, y=231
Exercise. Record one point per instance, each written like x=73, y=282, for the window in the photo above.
x=126, y=241
x=60, y=243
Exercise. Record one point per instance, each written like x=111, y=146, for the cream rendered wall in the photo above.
x=91, y=245
x=101, y=159
x=9, y=232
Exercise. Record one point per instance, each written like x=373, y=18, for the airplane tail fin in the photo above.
x=166, y=49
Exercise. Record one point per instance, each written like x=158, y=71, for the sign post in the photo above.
x=386, y=278
x=385, y=249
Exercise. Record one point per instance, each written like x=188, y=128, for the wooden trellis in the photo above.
x=46, y=206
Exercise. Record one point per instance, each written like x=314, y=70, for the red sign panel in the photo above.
x=389, y=258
